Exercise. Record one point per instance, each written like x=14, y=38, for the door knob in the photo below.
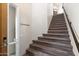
x=5, y=41
x=4, y=38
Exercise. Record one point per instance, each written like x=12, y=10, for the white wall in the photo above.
x=36, y=15
x=73, y=15
x=25, y=14
x=40, y=22
x=72, y=10
x=39, y=19
x=49, y=12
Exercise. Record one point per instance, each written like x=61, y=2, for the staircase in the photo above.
x=55, y=43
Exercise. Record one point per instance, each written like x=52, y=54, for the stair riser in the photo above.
x=59, y=21
x=29, y=53
x=57, y=32
x=58, y=24
x=54, y=46
x=56, y=40
x=57, y=28
x=62, y=36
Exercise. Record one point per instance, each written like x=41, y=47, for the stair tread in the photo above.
x=55, y=43
x=56, y=31
x=57, y=34
x=56, y=38
x=51, y=44
x=37, y=52
x=51, y=50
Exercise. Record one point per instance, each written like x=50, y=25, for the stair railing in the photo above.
x=75, y=36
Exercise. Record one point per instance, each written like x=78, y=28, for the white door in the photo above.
x=11, y=30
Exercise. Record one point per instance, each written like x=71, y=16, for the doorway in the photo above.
x=11, y=30
x=8, y=29
x=3, y=29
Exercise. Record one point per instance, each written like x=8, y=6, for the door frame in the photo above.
x=17, y=23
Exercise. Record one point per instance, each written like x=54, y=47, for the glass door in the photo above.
x=11, y=30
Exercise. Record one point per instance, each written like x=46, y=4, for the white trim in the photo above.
x=12, y=43
x=17, y=30
x=75, y=32
x=7, y=28
x=75, y=51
